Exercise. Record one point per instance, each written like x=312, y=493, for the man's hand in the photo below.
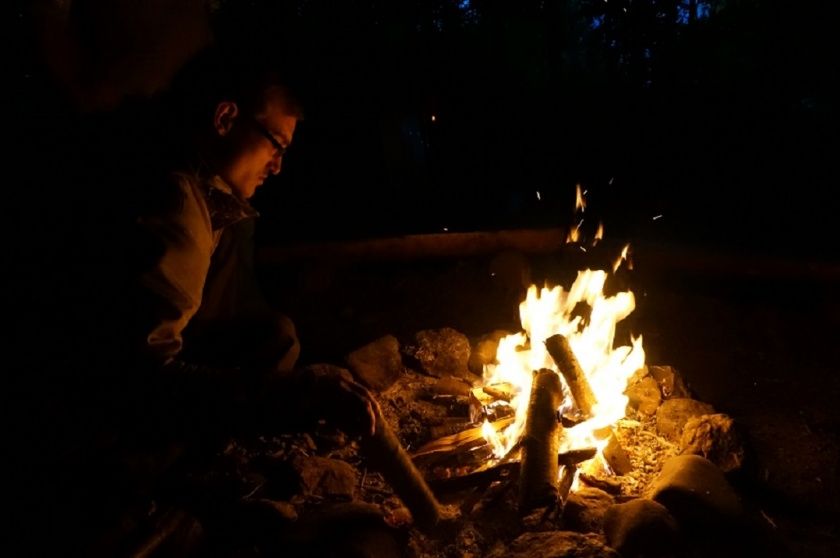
x=341, y=398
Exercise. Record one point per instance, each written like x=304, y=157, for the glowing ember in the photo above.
x=546, y=312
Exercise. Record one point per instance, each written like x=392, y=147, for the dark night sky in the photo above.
x=721, y=118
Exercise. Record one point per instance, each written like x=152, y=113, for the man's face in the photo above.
x=256, y=145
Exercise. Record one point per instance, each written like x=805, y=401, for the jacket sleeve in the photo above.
x=180, y=238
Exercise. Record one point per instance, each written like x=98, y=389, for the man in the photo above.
x=185, y=352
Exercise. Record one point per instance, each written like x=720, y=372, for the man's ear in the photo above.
x=224, y=117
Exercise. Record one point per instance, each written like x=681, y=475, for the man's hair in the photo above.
x=220, y=74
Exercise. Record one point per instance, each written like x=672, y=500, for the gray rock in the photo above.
x=644, y=396
x=674, y=413
x=585, y=510
x=715, y=438
x=670, y=382
x=642, y=527
x=442, y=352
x=379, y=364
x=698, y=495
x=556, y=544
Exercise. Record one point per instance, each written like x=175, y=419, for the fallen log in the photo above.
x=568, y=365
x=540, y=443
x=388, y=455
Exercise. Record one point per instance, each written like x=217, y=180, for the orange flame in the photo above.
x=546, y=312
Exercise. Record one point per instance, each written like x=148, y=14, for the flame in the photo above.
x=622, y=258
x=580, y=201
x=599, y=234
x=549, y=311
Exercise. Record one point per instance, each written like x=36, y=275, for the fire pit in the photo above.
x=640, y=464
x=561, y=427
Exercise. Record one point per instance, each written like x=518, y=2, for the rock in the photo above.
x=484, y=351
x=329, y=478
x=642, y=527
x=715, y=438
x=670, y=382
x=585, y=510
x=378, y=365
x=556, y=544
x=644, y=396
x=698, y=495
x=674, y=413
x=442, y=352
x=710, y=514
x=617, y=457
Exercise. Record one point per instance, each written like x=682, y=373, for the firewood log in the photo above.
x=540, y=442
x=568, y=365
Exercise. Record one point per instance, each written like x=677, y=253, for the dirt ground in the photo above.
x=753, y=336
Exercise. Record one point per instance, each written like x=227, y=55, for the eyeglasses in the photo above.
x=278, y=147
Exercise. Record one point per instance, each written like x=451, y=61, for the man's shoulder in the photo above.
x=180, y=189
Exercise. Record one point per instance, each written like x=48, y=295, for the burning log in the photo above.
x=490, y=473
x=568, y=365
x=490, y=402
x=386, y=451
x=461, y=441
x=540, y=442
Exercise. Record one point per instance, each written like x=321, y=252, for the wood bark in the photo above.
x=568, y=365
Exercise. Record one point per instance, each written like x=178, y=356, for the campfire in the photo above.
x=558, y=439
x=561, y=370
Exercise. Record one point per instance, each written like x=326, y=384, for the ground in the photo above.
x=752, y=335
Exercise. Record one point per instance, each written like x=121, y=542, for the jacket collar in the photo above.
x=225, y=207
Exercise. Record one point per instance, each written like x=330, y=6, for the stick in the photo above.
x=540, y=443
x=385, y=449
x=560, y=351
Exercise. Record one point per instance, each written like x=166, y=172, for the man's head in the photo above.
x=251, y=138
x=244, y=115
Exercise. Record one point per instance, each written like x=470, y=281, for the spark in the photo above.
x=657, y=217
x=434, y=118
x=539, y=197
